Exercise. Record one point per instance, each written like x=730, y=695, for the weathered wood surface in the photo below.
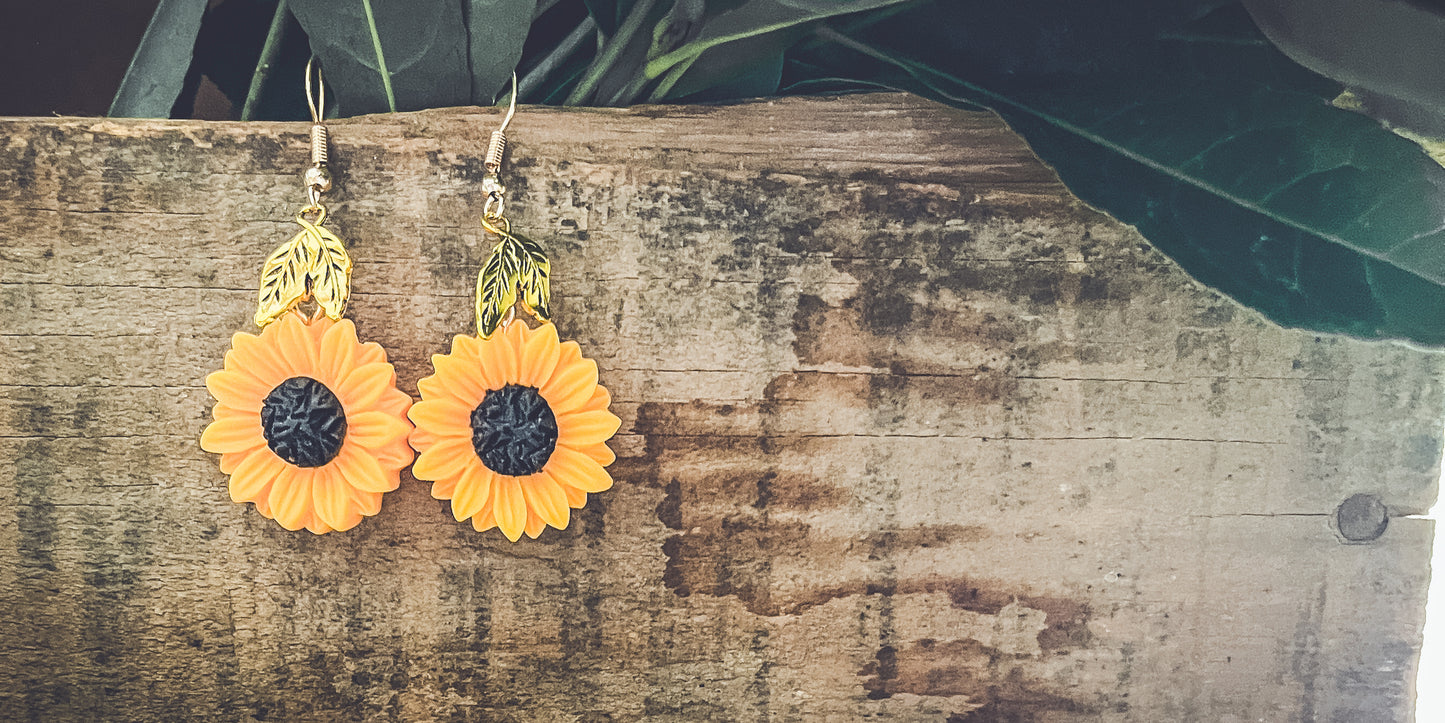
x=909, y=433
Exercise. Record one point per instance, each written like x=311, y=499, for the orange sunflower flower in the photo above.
x=513, y=430
x=309, y=423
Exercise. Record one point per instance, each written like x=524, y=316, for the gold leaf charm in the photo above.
x=330, y=272
x=283, y=279
x=536, y=282
x=516, y=268
x=312, y=264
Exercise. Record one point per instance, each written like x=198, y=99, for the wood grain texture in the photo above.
x=909, y=433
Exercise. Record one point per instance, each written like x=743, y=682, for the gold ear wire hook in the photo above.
x=496, y=149
x=318, y=107
x=512, y=110
x=317, y=177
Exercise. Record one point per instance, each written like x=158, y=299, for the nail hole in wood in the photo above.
x=1362, y=518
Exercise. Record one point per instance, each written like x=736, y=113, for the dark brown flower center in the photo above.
x=303, y=422
x=514, y=430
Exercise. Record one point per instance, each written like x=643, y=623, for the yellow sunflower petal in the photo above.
x=316, y=328
x=394, y=457
x=263, y=505
x=484, y=521
x=568, y=353
x=576, y=499
x=423, y=438
x=374, y=429
x=433, y=387
x=370, y=353
x=353, y=518
x=362, y=471
x=445, y=417
x=291, y=340
x=580, y=429
x=489, y=361
x=394, y=402
x=253, y=356
x=315, y=526
x=237, y=390
x=473, y=491
x=445, y=489
x=332, y=499
x=601, y=399
x=457, y=378
x=468, y=349
x=338, y=350
x=230, y=461
x=447, y=458
x=233, y=434
x=365, y=385
x=546, y=498
x=575, y=469
x=534, y=525
x=253, y=477
x=509, y=506
x=539, y=355
x=499, y=355
x=365, y=503
x=290, y=497
x=601, y=453
x=571, y=387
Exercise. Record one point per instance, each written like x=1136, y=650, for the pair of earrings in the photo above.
x=312, y=429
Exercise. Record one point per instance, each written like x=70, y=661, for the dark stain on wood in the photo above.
x=966, y=668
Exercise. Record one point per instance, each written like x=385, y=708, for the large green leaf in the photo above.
x=496, y=30
x=736, y=49
x=613, y=78
x=752, y=19
x=158, y=69
x=745, y=68
x=1230, y=158
x=382, y=55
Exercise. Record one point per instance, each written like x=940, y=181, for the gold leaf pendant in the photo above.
x=516, y=269
x=313, y=264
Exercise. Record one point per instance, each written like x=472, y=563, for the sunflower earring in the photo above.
x=512, y=427
x=308, y=421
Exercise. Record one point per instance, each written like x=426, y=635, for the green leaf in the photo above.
x=158, y=69
x=535, y=83
x=416, y=58
x=608, y=14
x=746, y=68
x=1229, y=158
x=680, y=25
x=270, y=52
x=754, y=18
x=616, y=67
x=496, y=30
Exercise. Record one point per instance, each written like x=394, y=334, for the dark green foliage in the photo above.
x=1177, y=116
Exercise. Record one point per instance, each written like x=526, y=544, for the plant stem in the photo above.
x=615, y=45
x=556, y=57
x=380, y=57
x=269, y=51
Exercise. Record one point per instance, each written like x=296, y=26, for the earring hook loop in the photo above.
x=496, y=151
x=317, y=104
x=512, y=110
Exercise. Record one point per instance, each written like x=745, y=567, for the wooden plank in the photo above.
x=909, y=433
